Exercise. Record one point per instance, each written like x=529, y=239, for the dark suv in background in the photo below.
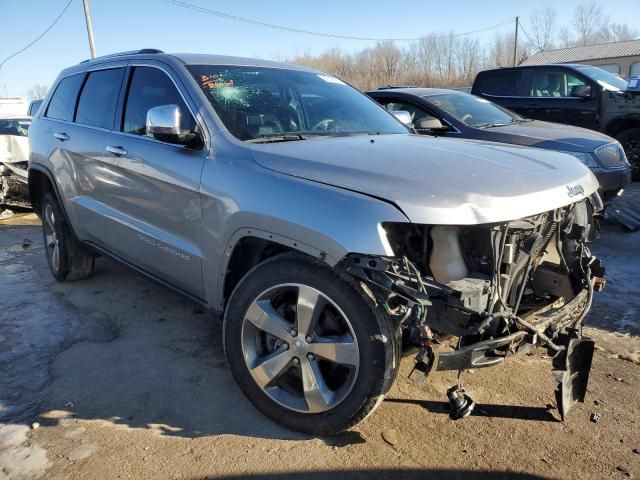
x=580, y=95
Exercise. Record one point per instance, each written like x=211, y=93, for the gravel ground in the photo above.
x=123, y=379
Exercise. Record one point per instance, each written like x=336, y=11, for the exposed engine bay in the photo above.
x=499, y=288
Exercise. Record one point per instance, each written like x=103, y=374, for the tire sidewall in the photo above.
x=61, y=234
x=375, y=343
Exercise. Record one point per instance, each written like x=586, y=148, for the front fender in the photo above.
x=320, y=220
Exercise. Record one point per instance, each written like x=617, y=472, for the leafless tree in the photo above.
x=589, y=24
x=386, y=56
x=468, y=58
x=450, y=60
x=543, y=27
x=617, y=32
x=37, y=92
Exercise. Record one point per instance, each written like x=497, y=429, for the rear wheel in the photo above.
x=66, y=258
x=307, y=347
x=630, y=141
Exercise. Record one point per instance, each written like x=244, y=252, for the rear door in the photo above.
x=148, y=191
x=550, y=99
x=81, y=149
x=504, y=87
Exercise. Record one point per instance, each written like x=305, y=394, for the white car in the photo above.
x=14, y=159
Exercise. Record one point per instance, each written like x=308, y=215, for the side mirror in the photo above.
x=581, y=91
x=163, y=123
x=403, y=116
x=431, y=124
x=163, y=120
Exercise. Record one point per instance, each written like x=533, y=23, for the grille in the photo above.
x=611, y=155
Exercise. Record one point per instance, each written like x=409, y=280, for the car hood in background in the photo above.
x=437, y=180
x=551, y=136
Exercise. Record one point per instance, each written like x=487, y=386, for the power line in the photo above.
x=227, y=16
x=39, y=36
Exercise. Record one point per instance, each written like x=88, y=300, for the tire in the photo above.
x=66, y=258
x=351, y=385
x=630, y=141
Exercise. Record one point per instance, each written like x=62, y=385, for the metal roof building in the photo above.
x=617, y=57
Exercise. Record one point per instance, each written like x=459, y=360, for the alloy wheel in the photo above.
x=52, y=243
x=300, y=348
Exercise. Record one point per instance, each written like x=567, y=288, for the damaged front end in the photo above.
x=499, y=288
x=14, y=159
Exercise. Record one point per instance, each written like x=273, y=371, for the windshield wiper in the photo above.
x=277, y=137
x=491, y=125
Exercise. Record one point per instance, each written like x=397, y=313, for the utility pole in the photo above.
x=87, y=17
x=515, y=44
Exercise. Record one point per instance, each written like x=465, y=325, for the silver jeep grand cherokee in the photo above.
x=329, y=236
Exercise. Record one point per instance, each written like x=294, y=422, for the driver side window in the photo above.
x=417, y=113
x=553, y=83
x=151, y=87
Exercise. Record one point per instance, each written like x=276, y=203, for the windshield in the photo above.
x=256, y=103
x=14, y=126
x=606, y=79
x=472, y=110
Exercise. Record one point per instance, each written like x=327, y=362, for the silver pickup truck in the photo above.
x=329, y=236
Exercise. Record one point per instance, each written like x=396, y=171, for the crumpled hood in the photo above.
x=437, y=180
x=551, y=136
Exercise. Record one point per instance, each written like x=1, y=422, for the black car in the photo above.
x=580, y=95
x=457, y=114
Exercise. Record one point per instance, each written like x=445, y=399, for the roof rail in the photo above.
x=389, y=87
x=122, y=54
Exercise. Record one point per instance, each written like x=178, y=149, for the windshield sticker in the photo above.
x=330, y=79
x=215, y=81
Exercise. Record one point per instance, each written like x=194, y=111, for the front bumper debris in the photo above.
x=483, y=354
x=572, y=373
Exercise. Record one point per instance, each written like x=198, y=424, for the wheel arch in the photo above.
x=41, y=182
x=248, y=247
x=619, y=125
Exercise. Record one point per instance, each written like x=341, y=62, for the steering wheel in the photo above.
x=466, y=117
x=323, y=124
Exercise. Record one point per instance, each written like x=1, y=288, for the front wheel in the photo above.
x=307, y=347
x=630, y=141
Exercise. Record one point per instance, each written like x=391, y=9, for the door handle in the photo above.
x=61, y=136
x=119, y=151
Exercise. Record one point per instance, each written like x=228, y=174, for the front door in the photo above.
x=550, y=98
x=147, y=192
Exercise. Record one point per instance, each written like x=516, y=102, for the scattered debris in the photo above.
x=35, y=425
x=26, y=243
x=6, y=214
x=595, y=417
x=390, y=436
x=625, y=213
x=598, y=402
x=636, y=451
x=69, y=405
x=460, y=404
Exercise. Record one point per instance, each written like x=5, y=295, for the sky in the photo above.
x=121, y=25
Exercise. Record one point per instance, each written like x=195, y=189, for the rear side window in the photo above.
x=501, y=83
x=151, y=87
x=99, y=98
x=64, y=98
